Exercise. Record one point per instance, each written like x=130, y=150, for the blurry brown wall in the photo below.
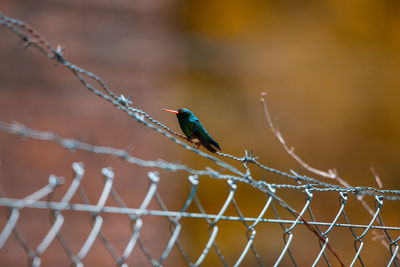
x=330, y=70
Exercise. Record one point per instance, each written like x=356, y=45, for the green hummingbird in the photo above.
x=193, y=129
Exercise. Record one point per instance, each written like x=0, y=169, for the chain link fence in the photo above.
x=300, y=223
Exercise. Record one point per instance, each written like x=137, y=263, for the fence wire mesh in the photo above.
x=279, y=211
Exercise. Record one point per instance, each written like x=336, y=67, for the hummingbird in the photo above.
x=193, y=129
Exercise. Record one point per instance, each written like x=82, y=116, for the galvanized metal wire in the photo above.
x=44, y=197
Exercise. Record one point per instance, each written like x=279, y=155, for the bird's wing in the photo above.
x=213, y=142
x=206, y=140
x=205, y=143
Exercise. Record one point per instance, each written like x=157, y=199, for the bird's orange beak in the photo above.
x=170, y=110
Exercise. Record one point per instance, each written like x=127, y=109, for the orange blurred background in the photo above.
x=330, y=70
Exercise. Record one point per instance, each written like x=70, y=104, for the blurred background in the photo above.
x=330, y=70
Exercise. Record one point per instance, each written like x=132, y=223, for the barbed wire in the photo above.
x=72, y=144
x=308, y=185
x=123, y=103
